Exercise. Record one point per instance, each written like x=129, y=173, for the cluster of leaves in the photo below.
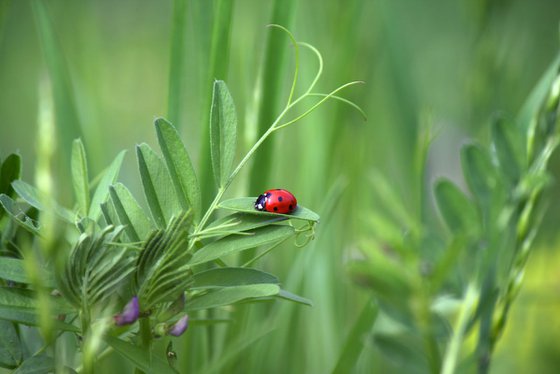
x=166, y=261
x=441, y=287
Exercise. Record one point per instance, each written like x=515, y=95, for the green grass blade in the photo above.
x=80, y=179
x=131, y=215
x=218, y=68
x=177, y=61
x=102, y=190
x=355, y=340
x=235, y=244
x=271, y=88
x=223, y=133
x=158, y=186
x=180, y=167
x=247, y=205
x=67, y=119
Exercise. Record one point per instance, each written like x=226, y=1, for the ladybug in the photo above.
x=276, y=201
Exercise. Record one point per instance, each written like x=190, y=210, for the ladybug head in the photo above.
x=260, y=202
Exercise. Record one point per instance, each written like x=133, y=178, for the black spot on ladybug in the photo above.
x=290, y=207
x=280, y=198
x=275, y=208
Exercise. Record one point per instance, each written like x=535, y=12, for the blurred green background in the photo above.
x=451, y=64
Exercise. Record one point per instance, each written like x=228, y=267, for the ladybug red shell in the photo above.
x=276, y=201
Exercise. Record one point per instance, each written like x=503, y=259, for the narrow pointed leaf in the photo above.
x=131, y=215
x=138, y=356
x=235, y=244
x=356, y=339
x=232, y=295
x=247, y=205
x=29, y=318
x=230, y=277
x=158, y=187
x=102, y=190
x=80, y=179
x=34, y=198
x=456, y=209
x=180, y=167
x=287, y=295
x=507, y=151
x=479, y=172
x=223, y=132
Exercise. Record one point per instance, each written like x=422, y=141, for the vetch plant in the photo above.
x=123, y=277
x=441, y=288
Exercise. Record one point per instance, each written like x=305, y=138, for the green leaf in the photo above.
x=36, y=365
x=102, y=190
x=136, y=355
x=18, y=215
x=233, y=243
x=507, y=150
x=247, y=205
x=10, y=346
x=33, y=197
x=479, y=172
x=232, y=295
x=80, y=179
x=131, y=215
x=29, y=318
x=238, y=222
x=158, y=187
x=356, y=339
x=14, y=269
x=287, y=295
x=457, y=210
x=10, y=171
x=231, y=277
x=180, y=167
x=12, y=298
x=223, y=133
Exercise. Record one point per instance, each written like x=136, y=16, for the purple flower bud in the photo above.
x=180, y=326
x=130, y=313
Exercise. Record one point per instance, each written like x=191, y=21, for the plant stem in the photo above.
x=454, y=347
x=145, y=338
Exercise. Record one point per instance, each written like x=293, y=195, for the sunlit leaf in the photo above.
x=247, y=205
x=102, y=190
x=180, y=166
x=80, y=178
x=158, y=187
x=131, y=215
x=223, y=132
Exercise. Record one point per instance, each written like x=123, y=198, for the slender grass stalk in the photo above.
x=177, y=62
x=271, y=85
x=218, y=67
